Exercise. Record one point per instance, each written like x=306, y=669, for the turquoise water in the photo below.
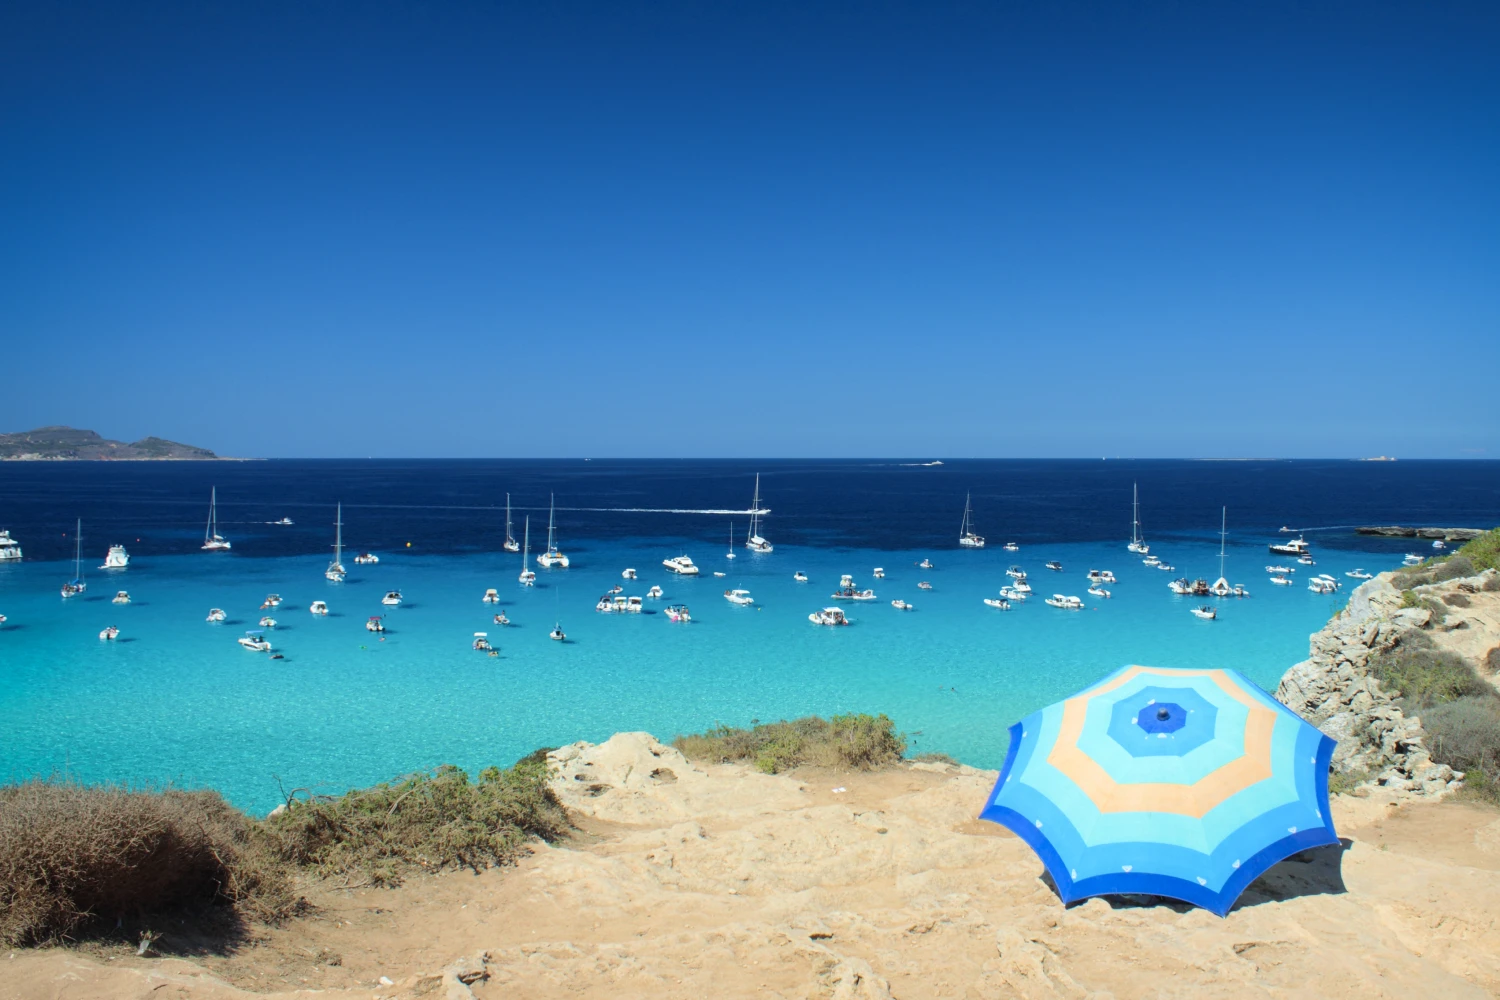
x=177, y=699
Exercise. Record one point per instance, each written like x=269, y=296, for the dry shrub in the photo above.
x=1456, y=600
x=71, y=854
x=425, y=821
x=1465, y=735
x=845, y=742
x=1492, y=661
x=1425, y=675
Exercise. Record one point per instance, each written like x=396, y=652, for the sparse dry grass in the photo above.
x=846, y=742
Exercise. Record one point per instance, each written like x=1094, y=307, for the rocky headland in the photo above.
x=63, y=444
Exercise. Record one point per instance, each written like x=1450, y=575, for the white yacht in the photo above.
x=740, y=597
x=212, y=540
x=318, y=608
x=678, y=613
x=828, y=616
x=1011, y=547
x=10, y=549
x=681, y=565
x=216, y=615
x=1000, y=603
x=966, y=536
x=527, y=577
x=1137, y=540
x=730, y=553
x=799, y=577
x=116, y=558
x=1410, y=559
x=1358, y=573
x=254, y=641
x=753, y=540
x=1296, y=547
x=121, y=597
x=76, y=585
x=629, y=574
x=654, y=593
x=511, y=545
x=335, y=570
x=391, y=599
x=1066, y=602
x=366, y=559
x=552, y=557
x=1205, y=612
x=1097, y=591
x=109, y=633
x=901, y=605
x=491, y=596
x=1016, y=573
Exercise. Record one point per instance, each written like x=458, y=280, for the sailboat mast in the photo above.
x=526, y=550
x=78, y=550
x=551, y=509
x=507, y=517
x=1135, y=512
x=1223, y=533
x=338, y=534
x=208, y=530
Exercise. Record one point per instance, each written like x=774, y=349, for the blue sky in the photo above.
x=969, y=229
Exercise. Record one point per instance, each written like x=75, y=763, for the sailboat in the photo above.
x=527, y=578
x=335, y=570
x=1137, y=540
x=212, y=540
x=753, y=540
x=552, y=557
x=966, y=536
x=730, y=553
x=76, y=585
x=1221, y=587
x=510, y=540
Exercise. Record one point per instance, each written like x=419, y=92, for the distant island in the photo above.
x=67, y=444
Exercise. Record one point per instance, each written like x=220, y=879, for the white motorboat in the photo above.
x=109, y=632
x=901, y=605
x=717, y=573
x=527, y=577
x=1137, y=540
x=335, y=571
x=116, y=558
x=923, y=585
x=629, y=574
x=1105, y=576
x=753, y=541
x=511, y=545
x=1327, y=579
x=500, y=619
x=285, y=521
x=1281, y=581
x=216, y=615
x=76, y=586
x=1180, y=586
x=481, y=642
x=10, y=549
x=1098, y=591
x=633, y=604
x=878, y=573
x=1054, y=566
x=1411, y=559
x=1296, y=547
x=730, y=553
x=318, y=608
x=557, y=634
x=1318, y=586
x=3, y=619
x=966, y=536
x=1439, y=545
x=1305, y=560
x=681, y=565
x=1207, y=613
x=1011, y=547
x=491, y=596
x=366, y=559
x=616, y=589
x=1166, y=567
x=678, y=613
x=391, y=599
x=849, y=592
x=740, y=597
x=605, y=604
x=1012, y=594
x=1151, y=561
x=1021, y=587
x=1000, y=603
x=1016, y=573
x=799, y=577
x=266, y=621
x=271, y=601
x=1283, y=570
x=1066, y=602
x=121, y=597
x=552, y=557
x=212, y=540
x=925, y=564
x=255, y=642
x=654, y=593
x=1358, y=573
x=828, y=616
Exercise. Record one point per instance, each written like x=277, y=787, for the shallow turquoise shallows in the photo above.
x=176, y=699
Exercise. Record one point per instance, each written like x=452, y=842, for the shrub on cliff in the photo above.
x=72, y=854
x=846, y=742
x=1424, y=675
x=1465, y=735
x=1483, y=552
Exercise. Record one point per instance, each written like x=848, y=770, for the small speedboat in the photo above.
x=1207, y=613
x=878, y=573
x=267, y=622
x=1012, y=594
x=375, y=624
x=1021, y=587
x=271, y=601
x=717, y=573
x=1054, y=566
x=1016, y=573
x=1066, y=602
x=3, y=619
x=1281, y=581
x=828, y=616
x=318, y=608
x=121, y=597
x=284, y=521
x=1011, y=547
x=216, y=615
x=500, y=619
x=1166, y=567
x=1358, y=573
x=654, y=593
x=998, y=602
x=1151, y=561
x=925, y=564
x=629, y=574
x=557, y=634
x=1180, y=586
x=1240, y=591
x=799, y=577
x=1283, y=570
x=740, y=597
x=616, y=589
x=1306, y=560
x=391, y=599
x=481, y=642
x=1411, y=559
x=491, y=596
x=110, y=632
x=923, y=585
x=255, y=642
x=1105, y=576
x=366, y=559
x=681, y=565
x=678, y=613
x=901, y=605
x=850, y=593
x=1439, y=545
x=1098, y=591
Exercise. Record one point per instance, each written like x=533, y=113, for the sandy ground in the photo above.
x=717, y=882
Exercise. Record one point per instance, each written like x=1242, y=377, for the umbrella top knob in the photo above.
x=1163, y=713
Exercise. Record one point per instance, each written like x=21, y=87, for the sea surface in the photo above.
x=177, y=700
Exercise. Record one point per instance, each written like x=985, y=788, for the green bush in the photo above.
x=846, y=742
x=1483, y=552
x=1423, y=675
x=1465, y=735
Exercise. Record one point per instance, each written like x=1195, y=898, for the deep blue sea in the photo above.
x=176, y=699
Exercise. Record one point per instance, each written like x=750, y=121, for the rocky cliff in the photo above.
x=53, y=444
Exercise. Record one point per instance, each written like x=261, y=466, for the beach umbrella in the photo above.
x=1171, y=782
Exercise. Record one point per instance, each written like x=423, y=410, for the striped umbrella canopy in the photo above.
x=1179, y=783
